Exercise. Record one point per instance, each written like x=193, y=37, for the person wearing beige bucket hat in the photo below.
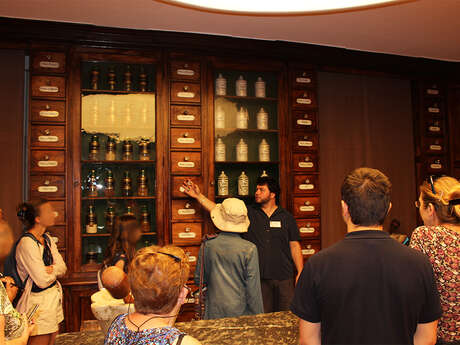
x=230, y=268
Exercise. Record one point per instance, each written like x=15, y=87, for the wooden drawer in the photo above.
x=47, y=136
x=306, y=207
x=48, y=62
x=302, y=142
x=305, y=162
x=185, y=138
x=49, y=111
x=186, y=115
x=58, y=234
x=304, y=120
x=47, y=86
x=186, y=163
x=303, y=79
x=434, y=126
x=309, y=228
x=436, y=165
x=306, y=184
x=184, y=234
x=47, y=186
x=185, y=92
x=310, y=248
x=192, y=253
x=177, y=182
x=47, y=161
x=59, y=209
x=185, y=70
x=186, y=209
x=434, y=145
x=303, y=98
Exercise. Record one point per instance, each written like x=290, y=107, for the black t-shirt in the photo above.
x=367, y=289
x=272, y=236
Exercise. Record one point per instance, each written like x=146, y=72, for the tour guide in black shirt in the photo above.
x=274, y=231
x=367, y=288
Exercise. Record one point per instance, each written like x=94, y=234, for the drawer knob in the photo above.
x=185, y=88
x=186, y=65
x=305, y=116
x=307, y=159
x=48, y=82
x=46, y=132
x=308, y=224
x=187, y=205
x=307, y=203
x=309, y=246
x=48, y=57
x=212, y=183
x=186, y=159
x=185, y=112
x=47, y=107
x=46, y=158
x=305, y=137
x=304, y=74
x=307, y=181
x=187, y=229
x=46, y=183
x=305, y=94
x=186, y=134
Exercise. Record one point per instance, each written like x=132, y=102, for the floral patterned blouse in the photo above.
x=14, y=323
x=442, y=246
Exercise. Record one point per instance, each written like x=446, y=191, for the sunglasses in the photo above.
x=177, y=259
x=432, y=179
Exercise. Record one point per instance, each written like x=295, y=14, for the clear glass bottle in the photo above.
x=242, y=151
x=242, y=118
x=145, y=219
x=127, y=150
x=92, y=184
x=243, y=184
x=260, y=88
x=142, y=186
x=144, y=154
x=109, y=219
x=94, y=148
x=110, y=154
x=220, y=118
x=129, y=211
x=222, y=184
x=109, y=184
x=241, y=87
x=262, y=119
x=91, y=221
x=264, y=151
x=221, y=85
x=126, y=184
x=220, y=150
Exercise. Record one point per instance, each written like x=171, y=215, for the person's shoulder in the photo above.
x=189, y=340
x=327, y=254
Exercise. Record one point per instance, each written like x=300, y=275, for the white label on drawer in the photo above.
x=308, y=208
x=303, y=122
x=303, y=100
x=186, y=164
x=434, y=128
x=306, y=186
x=432, y=92
x=308, y=230
x=49, y=64
x=308, y=251
x=435, y=147
x=49, y=113
x=188, y=72
x=435, y=166
x=48, y=89
x=185, y=140
x=48, y=138
x=187, y=235
x=47, y=164
x=305, y=165
x=305, y=143
x=303, y=80
x=47, y=189
x=433, y=110
x=191, y=258
x=182, y=117
x=56, y=214
x=186, y=211
x=184, y=94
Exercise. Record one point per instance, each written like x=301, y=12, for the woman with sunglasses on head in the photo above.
x=439, y=239
x=157, y=277
x=14, y=327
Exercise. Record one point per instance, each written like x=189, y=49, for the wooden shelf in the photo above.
x=249, y=162
x=250, y=130
x=107, y=234
x=249, y=98
x=118, y=162
x=118, y=197
x=115, y=92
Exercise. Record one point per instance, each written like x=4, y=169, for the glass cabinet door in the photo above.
x=246, y=132
x=118, y=151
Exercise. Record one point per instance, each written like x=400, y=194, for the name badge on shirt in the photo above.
x=275, y=224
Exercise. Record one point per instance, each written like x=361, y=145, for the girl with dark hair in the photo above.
x=39, y=264
x=122, y=243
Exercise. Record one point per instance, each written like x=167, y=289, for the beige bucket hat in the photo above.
x=231, y=216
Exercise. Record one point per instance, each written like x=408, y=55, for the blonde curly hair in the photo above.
x=446, y=192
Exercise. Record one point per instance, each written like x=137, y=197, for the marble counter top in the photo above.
x=264, y=329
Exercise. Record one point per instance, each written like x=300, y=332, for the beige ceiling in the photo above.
x=423, y=28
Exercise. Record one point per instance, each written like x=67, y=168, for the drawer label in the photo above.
x=191, y=258
x=186, y=164
x=186, y=140
x=49, y=64
x=187, y=235
x=47, y=189
x=308, y=251
x=51, y=89
x=183, y=117
x=190, y=300
x=303, y=80
x=432, y=92
x=49, y=113
x=188, y=72
x=186, y=211
x=435, y=147
x=303, y=100
x=434, y=128
x=184, y=94
x=433, y=110
x=435, y=166
x=308, y=230
x=48, y=138
x=308, y=208
x=304, y=122
x=306, y=186
x=305, y=143
x=305, y=164
x=47, y=164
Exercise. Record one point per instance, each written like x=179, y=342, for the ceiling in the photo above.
x=422, y=28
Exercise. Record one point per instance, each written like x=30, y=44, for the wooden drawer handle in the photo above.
x=186, y=159
x=187, y=229
x=46, y=158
